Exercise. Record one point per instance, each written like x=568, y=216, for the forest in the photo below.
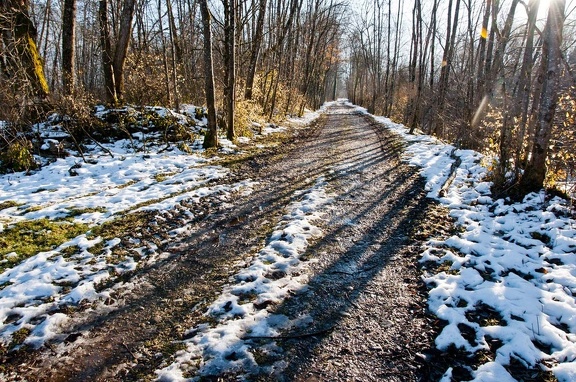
x=496, y=76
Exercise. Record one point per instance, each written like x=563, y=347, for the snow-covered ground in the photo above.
x=508, y=279
x=115, y=179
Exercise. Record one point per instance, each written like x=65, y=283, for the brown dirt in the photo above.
x=365, y=295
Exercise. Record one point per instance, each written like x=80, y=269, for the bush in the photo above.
x=247, y=112
x=17, y=156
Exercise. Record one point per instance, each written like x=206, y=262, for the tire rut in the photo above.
x=365, y=294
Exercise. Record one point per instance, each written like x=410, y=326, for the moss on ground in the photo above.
x=8, y=204
x=27, y=238
x=122, y=226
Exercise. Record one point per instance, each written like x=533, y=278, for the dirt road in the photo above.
x=365, y=295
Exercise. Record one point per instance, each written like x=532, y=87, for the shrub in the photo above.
x=17, y=156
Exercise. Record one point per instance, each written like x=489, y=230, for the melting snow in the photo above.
x=515, y=260
x=34, y=292
x=240, y=311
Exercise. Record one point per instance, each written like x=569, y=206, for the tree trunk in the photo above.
x=482, y=51
x=255, y=50
x=164, y=53
x=549, y=75
x=176, y=55
x=121, y=50
x=495, y=66
x=22, y=61
x=524, y=83
x=437, y=127
x=211, y=138
x=106, y=48
x=230, y=38
x=68, y=47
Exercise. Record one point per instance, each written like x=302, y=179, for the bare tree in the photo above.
x=255, y=49
x=548, y=75
x=114, y=56
x=230, y=64
x=68, y=47
x=211, y=138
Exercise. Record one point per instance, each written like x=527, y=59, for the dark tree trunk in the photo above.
x=211, y=138
x=437, y=127
x=68, y=47
x=230, y=41
x=106, y=47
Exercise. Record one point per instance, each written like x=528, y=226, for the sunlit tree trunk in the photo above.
x=230, y=65
x=176, y=55
x=549, y=75
x=524, y=83
x=124, y=35
x=255, y=50
x=114, y=56
x=21, y=60
x=437, y=127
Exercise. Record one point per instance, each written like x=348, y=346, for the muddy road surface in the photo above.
x=365, y=301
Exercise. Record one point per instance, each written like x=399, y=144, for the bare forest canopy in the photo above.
x=496, y=76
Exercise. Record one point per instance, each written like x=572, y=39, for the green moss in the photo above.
x=122, y=226
x=38, y=68
x=19, y=336
x=73, y=212
x=5, y=284
x=69, y=251
x=27, y=238
x=32, y=209
x=97, y=248
x=8, y=204
x=127, y=184
x=163, y=176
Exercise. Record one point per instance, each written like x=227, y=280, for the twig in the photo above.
x=291, y=336
x=129, y=351
x=364, y=270
x=344, y=273
x=98, y=143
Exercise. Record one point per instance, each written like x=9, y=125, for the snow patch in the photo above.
x=515, y=262
x=240, y=311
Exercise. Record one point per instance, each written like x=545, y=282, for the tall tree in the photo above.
x=255, y=49
x=520, y=108
x=230, y=65
x=452, y=25
x=68, y=46
x=211, y=138
x=114, y=56
x=549, y=76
